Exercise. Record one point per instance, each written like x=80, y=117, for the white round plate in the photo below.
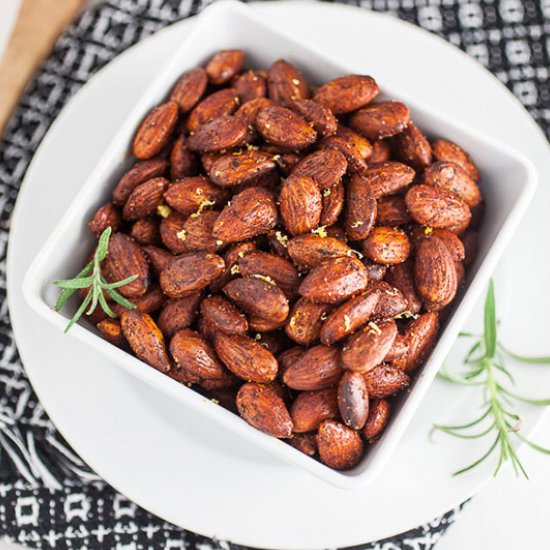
x=182, y=468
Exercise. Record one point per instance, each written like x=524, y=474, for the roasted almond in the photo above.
x=398, y=350
x=401, y=277
x=263, y=301
x=340, y=447
x=150, y=302
x=321, y=118
x=434, y=274
x=333, y=204
x=285, y=128
x=190, y=194
x=316, y=369
x=286, y=83
x=451, y=240
x=249, y=85
x=387, y=245
x=454, y=179
x=112, y=331
x=346, y=146
x=392, y=211
x=126, y=259
x=252, y=212
x=172, y=232
x=347, y=93
x=421, y=336
x=240, y=167
x=309, y=250
x=381, y=151
x=248, y=112
x=158, y=257
x=379, y=414
x=178, y=313
x=376, y=271
x=380, y=120
x=224, y=65
x=144, y=199
x=300, y=204
x=155, y=130
x=105, y=216
x=434, y=207
x=412, y=147
x=368, y=347
x=145, y=339
x=189, y=273
x=189, y=88
x=305, y=321
x=221, y=133
x=349, y=317
x=335, y=280
x=270, y=266
x=385, y=381
x=446, y=150
x=146, y=231
x=353, y=400
x=245, y=357
x=183, y=162
x=221, y=103
x=139, y=173
x=196, y=233
x=223, y=316
x=231, y=258
x=360, y=213
x=388, y=178
x=391, y=301
x=305, y=443
x=262, y=407
x=326, y=167
x=310, y=408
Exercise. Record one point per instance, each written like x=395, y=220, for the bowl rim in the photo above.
x=33, y=284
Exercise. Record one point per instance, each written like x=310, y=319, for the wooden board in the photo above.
x=38, y=26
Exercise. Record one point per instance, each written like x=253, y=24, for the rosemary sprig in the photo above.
x=91, y=278
x=485, y=369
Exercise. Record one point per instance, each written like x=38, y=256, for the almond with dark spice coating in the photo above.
x=105, y=216
x=240, y=167
x=379, y=414
x=347, y=93
x=335, y=280
x=356, y=162
x=112, y=331
x=286, y=83
x=401, y=276
x=252, y=212
x=221, y=133
x=446, y=150
x=183, y=162
x=361, y=209
x=451, y=240
x=194, y=354
x=434, y=207
x=189, y=88
x=283, y=127
x=391, y=300
x=454, y=179
x=300, y=204
x=316, y=369
x=146, y=231
x=380, y=120
x=310, y=408
x=221, y=103
x=357, y=142
x=309, y=250
x=145, y=339
x=326, y=167
x=353, y=400
x=125, y=258
x=263, y=301
x=376, y=271
x=245, y=357
x=158, y=257
x=340, y=447
x=421, y=336
x=388, y=178
x=305, y=321
x=263, y=408
x=387, y=245
x=187, y=196
x=196, y=233
x=155, y=130
x=224, y=65
x=144, y=199
x=150, y=302
x=189, y=273
x=249, y=85
x=385, y=381
x=333, y=204
x=368, y=347
x=223, y=316
x=398, y=350
x=381, y=151
x=392, y=211
x=172, y=233
x=248, y=112
x=434, y=274
x=139, y=173
x=349, y=316
x=321, y=118
x=412, y=147
x=178, y=313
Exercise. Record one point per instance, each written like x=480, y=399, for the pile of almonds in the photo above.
x=296, y=249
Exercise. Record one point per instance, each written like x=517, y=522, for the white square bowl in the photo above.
x=508, y=184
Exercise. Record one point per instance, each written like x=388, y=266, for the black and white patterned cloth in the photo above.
x=48, y=496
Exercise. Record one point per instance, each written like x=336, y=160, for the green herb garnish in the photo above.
x=91, y=277
x=484, y=368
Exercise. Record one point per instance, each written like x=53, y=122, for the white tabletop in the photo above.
x=510, y=513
